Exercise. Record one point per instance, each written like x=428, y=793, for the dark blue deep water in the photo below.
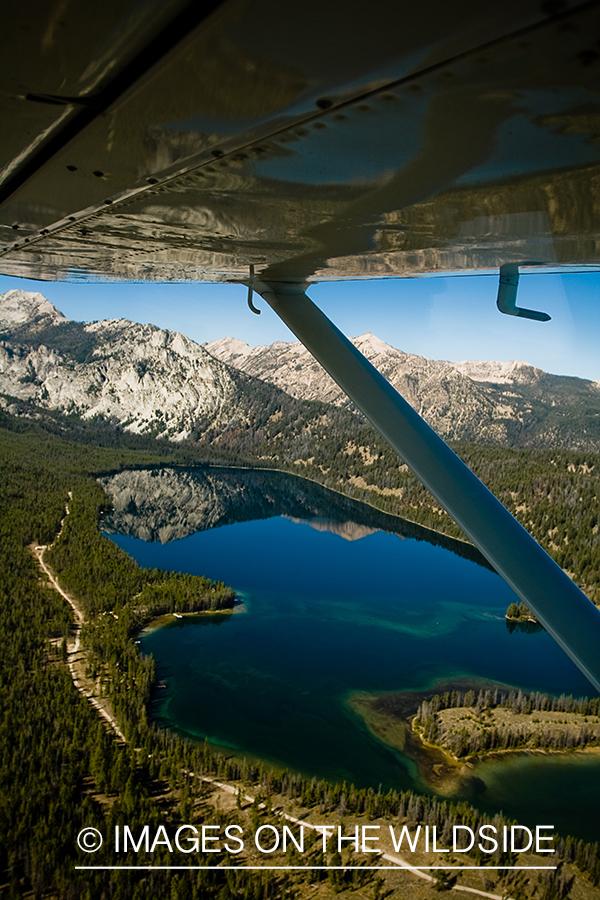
x=325, y=616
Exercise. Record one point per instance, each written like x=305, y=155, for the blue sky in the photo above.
x=451, y=317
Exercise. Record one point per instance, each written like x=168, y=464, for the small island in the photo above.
x=519, y=612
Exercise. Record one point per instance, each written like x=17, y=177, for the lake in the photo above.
x=337, y=598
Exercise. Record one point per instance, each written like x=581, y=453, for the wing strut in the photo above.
x=560, y=606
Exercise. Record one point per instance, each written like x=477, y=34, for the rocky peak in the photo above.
x=141, y=377
x=19, y=308
x=499, y=372
x=229, y=348
x=370, y=343
x=495, y=402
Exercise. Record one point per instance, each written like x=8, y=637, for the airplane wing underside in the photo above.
x=315, y=140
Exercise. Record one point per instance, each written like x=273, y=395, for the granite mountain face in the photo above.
x=145, y=379
x=508, y=403
x=159, y=383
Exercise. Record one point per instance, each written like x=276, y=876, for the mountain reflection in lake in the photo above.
x=339, y=607
x=170, y=504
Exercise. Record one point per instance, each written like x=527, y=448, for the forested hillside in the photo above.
x=510, y=404
x=60, y=768
x=119, y=384
x=555, y=494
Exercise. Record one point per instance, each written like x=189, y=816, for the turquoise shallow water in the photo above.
x=327, y=616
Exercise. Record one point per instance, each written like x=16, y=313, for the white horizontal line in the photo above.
x=306, y=868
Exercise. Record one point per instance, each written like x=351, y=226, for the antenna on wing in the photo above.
x=507, y=294
x=251, y=291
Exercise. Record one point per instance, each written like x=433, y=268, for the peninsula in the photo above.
x=473, y=725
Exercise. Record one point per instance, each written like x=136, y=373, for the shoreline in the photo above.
x=164, y=619
x=479, y=762
x=462, y=543
x=76, y=656
x=518, y=619
x=388, y=718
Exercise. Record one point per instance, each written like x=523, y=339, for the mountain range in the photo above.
x=143, y=378
x=154, y=382
x=507, y=403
